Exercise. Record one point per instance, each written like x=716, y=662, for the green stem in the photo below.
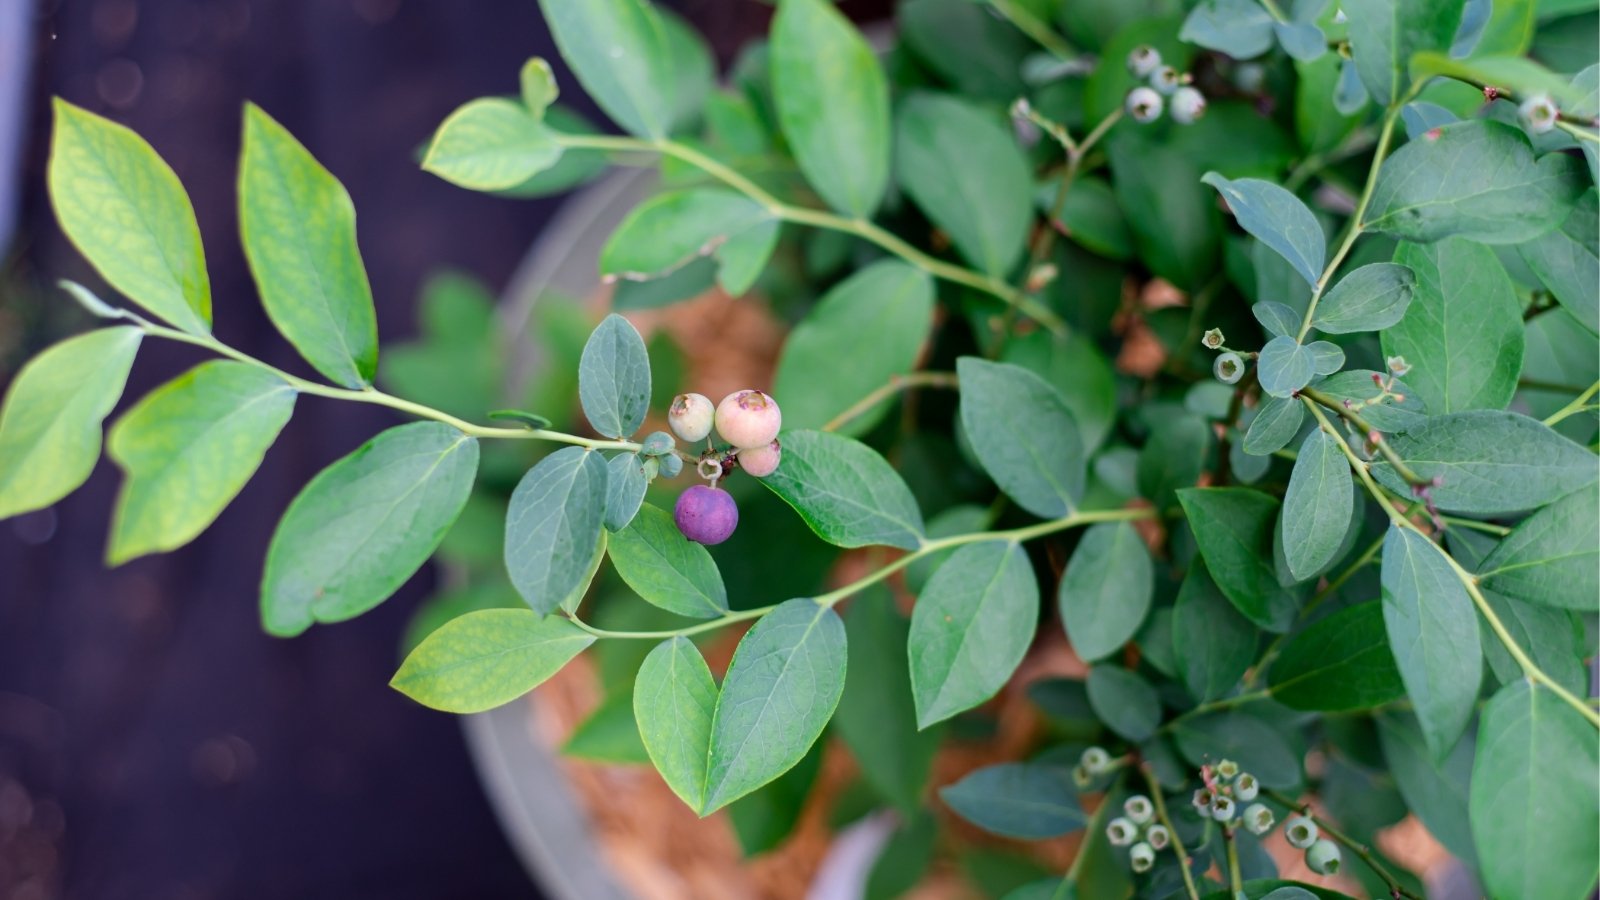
x=1475, y=525
x=1356, y=142
x=1030, y=25
x=1090, y=830
x=1362, y=851
x=1218, y=706
x=1468, y=580
x=894, y=385
x=822, y=219
x=1369, y=432
x=377, y=397
x=1172, y=830
x=1271, y=654
x=1235, y=881
x=1575, y=407
x=1582, y=134
x=1275, y=12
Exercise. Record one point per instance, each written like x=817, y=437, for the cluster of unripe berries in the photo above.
x=1229, y=366
x=1229, y=787
x=1164, y=84
x=748, y=421
x=1139, y=832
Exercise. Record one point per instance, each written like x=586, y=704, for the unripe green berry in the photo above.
x=1323, y=857
x=1142, y=857
x=1258, y=818
x=761, y=461
x=1202, y=801
x=1158, y=836
x=1144, y=104
x=656, y=443
x=1188, y=105
x=1223, y=809
x=1228, y=368
x=1095, y=759
x=1143, y=60
x=1300, y=832
x=690, y=416
x=671, y=465
x=1166, y=79
x=1538, y=113
x=1245, y=787
x=1139, y=809
x=1227, y=770
x=748, y=418
x=1120, y=832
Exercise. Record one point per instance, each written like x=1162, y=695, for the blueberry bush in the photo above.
x=1250, y=342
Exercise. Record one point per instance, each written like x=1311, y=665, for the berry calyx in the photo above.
x=1143, y=60
x=1139, y=809
x=1121, y=832
x=1323, y=857
x=1300, y=832
x=761, y=461
x=1212, y=340
x=1223, y=809
x=1144, y=104
x=1245, y=787
x=1202, y=801
x=1158, y=837
x=706, y=515
x=748, y=418
x=691, y=416
x=1227, y=770
x=1188, y=105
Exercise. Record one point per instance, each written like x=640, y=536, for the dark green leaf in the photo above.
x=763, y=818
x=1276, y=218
x=1371, y=298
x=1124, y=701
x=1435, y=791
x=620, y=52
x=1385, y=33
x=1433, y=632
x=364, y=525
x=1079, y=373
x=1568, y=258
x=554, y=526
x=1090, y=216
x=1285, y=366
x=1552, y=638
x=1259, y=747
x=1240, y=28
x=846, y=492
x=1234, y=528
x=614, y=378
x=907, y=854
x=674, y=701
x=1340, y=663
x=1551, y=557
x=1173, y=216
x=1317, y=506
x=487, y=658
x=1105, y=591
x=1214, y=644
x=970, y=628
x=1018, y=800
x=667, y=569
x=1023, y=434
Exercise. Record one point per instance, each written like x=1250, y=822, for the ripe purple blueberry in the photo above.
x=748, y=419
x=761, y=461
x=706, y=515
x=690, y=416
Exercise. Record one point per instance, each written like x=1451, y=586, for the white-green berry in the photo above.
x=1227, y=770
x=1228, y=367
x=1142, y=857
x=1158, y=836
x=1258, y=818
x=690, y=416
x=1139, y=809
x=1300, y=832
x=1095, y=759
x=1188, y=105
x=1121, y=832
x=1223, y=809
x=1166, y=79
x=1202, y=801
x=1143, y=60
x=1323, y=857
x=1538, y=113
x=1144, y=104
x=1245, y=787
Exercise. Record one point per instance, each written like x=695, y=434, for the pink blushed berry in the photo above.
x=748, y=419
x=706, y=515
x=761, y=461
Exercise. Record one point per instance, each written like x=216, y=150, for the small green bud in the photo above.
x=656, y=443
x=1228, y=368
x=1158, y=837
x=1213, y=339
x=1095, y=759
x=1227, y=770
x=1142, y=857
x=1258, y=818
x=1139, y=809
x=1223, y=809
x=1144, y=104
x=1323, y=857
x=1300, y=832
x=1121, y=832
x=1245, y=787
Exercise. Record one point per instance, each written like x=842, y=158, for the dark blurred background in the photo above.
x=154, y=743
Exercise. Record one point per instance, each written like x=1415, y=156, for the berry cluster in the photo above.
x=1138, y=831
x=1226, y=788
x=1145, y=103
x=1229, y=365
x=746, y=421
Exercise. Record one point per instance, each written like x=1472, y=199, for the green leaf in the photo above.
x=614, y=378
x=1326, y=357
x=1371, y=298
x=1173, y=458
x=1385, y=34
x=1276, y=423
x=967, y=173
x=538, y=84
x=126, y=212
x=781, y=689
x=608, y=735
x=1280, y=320
x=1078, y=371
x=962, y=519
x=1105, y=591
x=1433, y=631
x=833, y=104
x=766, y=817
x=619, y=50
x=553, y=526
x=1240, y=28
x=1551, y=557
x=1028, y=801
x=1340, y=663
x=970, y=628
x=1567, y=260
x=1278, y=219
x=1173, y=216
x=905, y=858
x=669, y=230
x=1317, y=506
x=1285, y=366
x=1490, y=462
x=299, y=233
x=1234, y=528
x=667, y=569
x=626, y=482
x=674, y=702
x=1435, y=791
x=846, y=492
x=1421, y=196
x=1125, y=702
x=1023, y=434
x=879, y=319
x=1552, y=638
x=694, y=71
x=1090, y=216
x=487, y=658
x=491, y=144
x=743, y=257
x=1389, y=416
x=1320, y=125
x=1535, y=790
x=1259, y=747
x=1515, y=75
x=1462, y=333
x=187, y=449
x=1213, y=643
x=978, y=53
x=364, y=525
x=877, y=716
x=50, y=423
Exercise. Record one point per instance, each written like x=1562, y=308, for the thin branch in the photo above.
x=1172, y=830
x=895, y=384
x=1366, y=855
x=1372, y=434
x=1576, y=406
